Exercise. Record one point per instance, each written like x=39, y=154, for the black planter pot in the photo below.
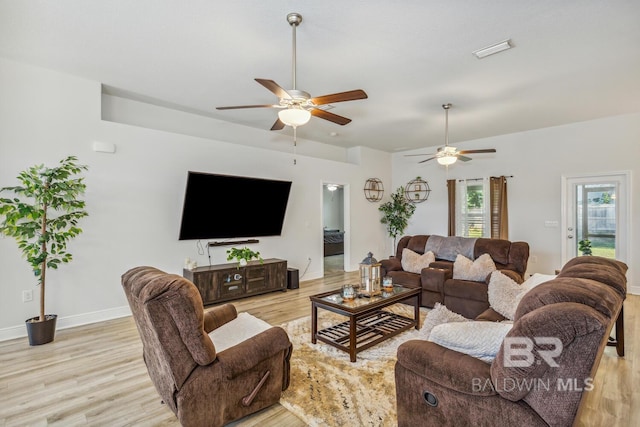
x=41, y=332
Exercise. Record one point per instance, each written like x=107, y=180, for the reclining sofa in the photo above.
x=466, y=297
x=439, y=386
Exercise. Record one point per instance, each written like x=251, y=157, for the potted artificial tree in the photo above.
x=42, y=216
x=242, y=256
x=396, y=214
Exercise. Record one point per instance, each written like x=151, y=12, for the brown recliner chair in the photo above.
x=202, y=387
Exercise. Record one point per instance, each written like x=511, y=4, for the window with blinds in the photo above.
x=473, y=216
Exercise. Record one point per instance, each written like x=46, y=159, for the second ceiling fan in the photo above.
x=297, y=106
x=448, y=155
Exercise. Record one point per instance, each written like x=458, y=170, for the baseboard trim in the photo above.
x=20, y=331
x=635, y=290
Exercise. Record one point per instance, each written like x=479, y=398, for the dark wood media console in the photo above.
x=226, y=282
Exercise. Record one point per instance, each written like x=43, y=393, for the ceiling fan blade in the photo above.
x=414, y=155
x=274, y=87
x=236, y=107
x=278, y=125
x=330, y=116
x=351, y=95
x=487, y=150
x=463, y=158
x=430, y=158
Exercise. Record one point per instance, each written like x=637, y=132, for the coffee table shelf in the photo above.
x=368, y=322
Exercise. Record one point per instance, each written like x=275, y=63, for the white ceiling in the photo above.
x=573, y=60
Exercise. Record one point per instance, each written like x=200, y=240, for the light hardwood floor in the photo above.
x=94, y=374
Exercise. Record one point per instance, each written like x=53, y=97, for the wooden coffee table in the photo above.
x=368, y=324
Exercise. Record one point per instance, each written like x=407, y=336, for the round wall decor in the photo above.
x=417, y=190
x=373, y=189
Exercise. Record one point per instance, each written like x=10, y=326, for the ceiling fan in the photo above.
x=297, y=106
x=448, y=155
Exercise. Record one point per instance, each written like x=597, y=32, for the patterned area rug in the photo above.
x=326, y=389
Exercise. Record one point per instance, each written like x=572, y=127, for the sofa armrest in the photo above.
x=490, y=315
x=449, y=368
x=433, y=279
x=246, y=355
x=513, y=275
x=218, y=316
x=391, y=264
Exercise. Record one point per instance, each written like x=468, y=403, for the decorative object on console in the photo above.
x=42, y=216
x=243, y=256
x=396, y=214
x=370, y=276
x=373, y=190
x=417, y=190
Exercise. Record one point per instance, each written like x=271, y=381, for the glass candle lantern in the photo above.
x=370, y=276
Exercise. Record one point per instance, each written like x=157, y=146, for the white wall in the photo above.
x=134, y=197
x=537, y=160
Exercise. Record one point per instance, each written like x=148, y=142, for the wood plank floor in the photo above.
x=94, y=374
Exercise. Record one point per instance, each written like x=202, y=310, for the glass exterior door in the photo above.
x=596, y=217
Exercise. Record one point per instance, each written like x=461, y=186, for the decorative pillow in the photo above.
x=439, y=315
x=505, y=294
x=477, y=271
x=478, y=339
x=414, y=262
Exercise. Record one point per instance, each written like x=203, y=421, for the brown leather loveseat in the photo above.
x=468, y=298
x=543, y=368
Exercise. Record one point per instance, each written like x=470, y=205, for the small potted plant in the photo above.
x=243, y=256
x=42, y=216
x=584, y=246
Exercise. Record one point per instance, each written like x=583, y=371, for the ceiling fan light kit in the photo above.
x=298, y=106
x=448, y=155
x=294, y=116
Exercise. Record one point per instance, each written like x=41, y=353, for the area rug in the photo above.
x=326, y=389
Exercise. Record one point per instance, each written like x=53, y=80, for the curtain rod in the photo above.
x=482, y=179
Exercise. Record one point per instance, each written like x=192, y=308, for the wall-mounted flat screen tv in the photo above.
x=226, y=206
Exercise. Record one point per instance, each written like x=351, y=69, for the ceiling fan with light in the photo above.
x=448, y=155
x=297, y=106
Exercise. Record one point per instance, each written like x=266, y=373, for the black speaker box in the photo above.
x=293, y=281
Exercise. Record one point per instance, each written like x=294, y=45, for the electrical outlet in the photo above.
x=27, y=295
x=534, y=259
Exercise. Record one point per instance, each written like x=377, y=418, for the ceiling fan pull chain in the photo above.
x=295, y=144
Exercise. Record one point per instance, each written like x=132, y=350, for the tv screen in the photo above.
x=225, y=206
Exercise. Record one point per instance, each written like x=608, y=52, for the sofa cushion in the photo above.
x=478, y=270
x=238, y=330
x=414, y=262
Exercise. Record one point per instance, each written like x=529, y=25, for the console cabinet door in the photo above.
x=232, y=283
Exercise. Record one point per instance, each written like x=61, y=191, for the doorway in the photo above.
x=596, y=216
x=334, y=228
